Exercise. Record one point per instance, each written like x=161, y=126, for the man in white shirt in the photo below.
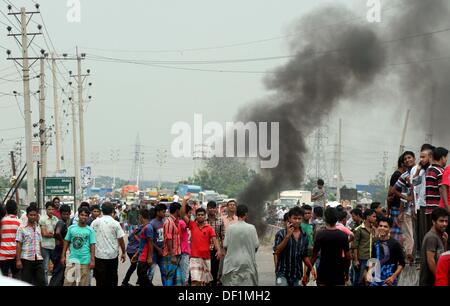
x=109, y=235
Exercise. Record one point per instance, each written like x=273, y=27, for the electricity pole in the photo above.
x=24, y=43
x=114, y=159
x=75, y=151
x=42, y=123
x=56, y=115
x=80, y=80
x=339, y=174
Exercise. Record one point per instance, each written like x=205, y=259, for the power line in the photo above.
x=168, y=64
x=247, y=43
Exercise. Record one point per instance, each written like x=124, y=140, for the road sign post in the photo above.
x=60, y=186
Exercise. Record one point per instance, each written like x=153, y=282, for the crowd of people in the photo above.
x=194, y=246
x=372, y=246
x=189, y=245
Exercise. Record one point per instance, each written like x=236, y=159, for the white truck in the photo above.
x=291, y=198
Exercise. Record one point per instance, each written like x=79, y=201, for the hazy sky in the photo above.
x=130, y=99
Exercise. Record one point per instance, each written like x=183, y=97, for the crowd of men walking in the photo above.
x=194, y=246
x=188, y=247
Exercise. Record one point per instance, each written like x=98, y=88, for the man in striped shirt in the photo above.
x=171, y=275
x=405, y=191
x=29, y=250
x=433, y=182
x=9, y=225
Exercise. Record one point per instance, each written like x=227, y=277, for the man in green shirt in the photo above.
x=362, y=245
x=81, y=239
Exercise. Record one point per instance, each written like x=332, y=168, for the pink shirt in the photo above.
x=184, y=237
x=344, y=229
x=445, y=181
x=228, y=221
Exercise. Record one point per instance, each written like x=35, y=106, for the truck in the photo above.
x=208, y=195
x=291, y=198
x=129, y=193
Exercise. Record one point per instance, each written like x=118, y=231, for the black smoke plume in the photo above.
x=327, y=67
x=411, y=45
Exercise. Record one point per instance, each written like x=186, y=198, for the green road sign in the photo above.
x=59, y=186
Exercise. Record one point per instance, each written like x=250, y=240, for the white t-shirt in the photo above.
x=176, y=198
x=107, y=231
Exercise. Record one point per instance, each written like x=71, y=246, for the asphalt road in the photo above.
x=264, y=261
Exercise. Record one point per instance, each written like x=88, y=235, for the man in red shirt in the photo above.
x=8, y=229
x=201, y=235
x=57, y=203
x=443, y=270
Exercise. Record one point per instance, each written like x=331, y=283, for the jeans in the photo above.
x=358, y=273
x=105, y=272
x=130, y=271
x=9, y=265
x=284, y=282
x=33, y=272
x=47, y=254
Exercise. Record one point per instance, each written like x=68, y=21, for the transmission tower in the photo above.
x=317, y=165
x=137, y=169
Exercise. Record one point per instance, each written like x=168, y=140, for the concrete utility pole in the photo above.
x=114, y=159
x=42, y=123
x=27, y=108
x=56, y=116
x=75, y=151
x=81, y=111
x=24, y=43
x=13, y=165
x=405, y=128
x=339, y=178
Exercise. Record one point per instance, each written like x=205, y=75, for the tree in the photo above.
x=380, y=195
x=224, y=175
